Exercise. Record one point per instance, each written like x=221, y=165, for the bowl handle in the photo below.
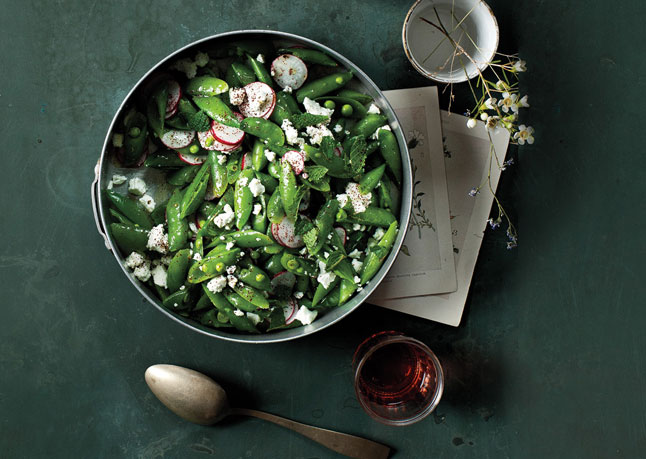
x=95, y=206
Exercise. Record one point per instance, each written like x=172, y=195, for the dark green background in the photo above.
x=549, y=359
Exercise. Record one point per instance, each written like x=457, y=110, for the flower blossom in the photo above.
x=471, y=123
x=519, y=66
x=508, y=101
x=524, y=134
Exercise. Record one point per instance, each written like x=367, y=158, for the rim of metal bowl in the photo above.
x=332, y=316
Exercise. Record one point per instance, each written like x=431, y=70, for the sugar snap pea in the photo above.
x=264, y=130
x=177, y=269
x=129, y=238
x=243, y=198
x=390, y=152
x=369, y=124
x=205, y=86
x=194, y=194
x=323, y=86
x=130, y=208
x=310, y=55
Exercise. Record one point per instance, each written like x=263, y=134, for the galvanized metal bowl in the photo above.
x=106, y=168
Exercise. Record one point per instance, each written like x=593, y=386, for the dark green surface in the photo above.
x=549, y=360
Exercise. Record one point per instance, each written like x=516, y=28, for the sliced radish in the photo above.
x=240, y=116
x=338, y=151
x=197, y=222
x=193, y=160
x=226, y=134
x=173, y=112
x=289, y=70
x=296, y=160
x=260, y=100
x=285, y=234
x=246, y=161
x=214, y=144
x=175, y=138
x=174, y=94
x=290, y=311
x=343, y=235
x=283, y=279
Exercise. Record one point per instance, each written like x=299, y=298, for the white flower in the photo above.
x=523, y=102
x=473, y=192
x=508, y=101
x=524, y=134
x=501, y=85
x=490, y=103
x=484, y=116
x=417, y=136
x=471, y=123
x=520, y=66
x=492, y=122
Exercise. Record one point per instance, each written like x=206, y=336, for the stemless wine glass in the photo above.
x=398, y=380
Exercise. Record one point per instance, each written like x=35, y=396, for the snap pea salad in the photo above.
x=282, y=187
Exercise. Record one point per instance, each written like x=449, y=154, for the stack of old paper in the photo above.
x=432, y=274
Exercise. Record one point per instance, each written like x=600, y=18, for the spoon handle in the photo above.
x=348, y=445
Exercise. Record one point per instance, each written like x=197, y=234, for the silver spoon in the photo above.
x=197, y=398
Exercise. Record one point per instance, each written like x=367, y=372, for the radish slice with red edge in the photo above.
x=290, y=311
x=245, y=162
x=173, y=112
x=338, y=151
x=289, y=70
x=174, y=138
x=283, y=279
x=343, y=235
x=193, y=160
x=260, y=100
x=296, y=160
x=285, y=234
x=226, y=134
x=214, y=144
x=174, y=94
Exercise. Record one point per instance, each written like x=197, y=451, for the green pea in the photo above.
x=194, y=148
x=347, y=110
x=134, y=131
x=329, y=104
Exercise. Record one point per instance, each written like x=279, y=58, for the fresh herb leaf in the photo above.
x=199, y=122
x=302, y=120
x=302, y=226
x=310, y=238
x=333, y=260
x=355, y=160
x=315, y=173
x=328, y=144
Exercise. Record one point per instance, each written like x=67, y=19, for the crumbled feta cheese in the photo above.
x=256, y=187
x=298, y=295
x=358, y=227
x=303, y=251
x=134, y=259
x=232, y=280
x=222, y=159
x=324, y=277
x=317, y=133
x=288, y=89
x=119, y=179
x=305, y=316
x=158, y=240
x=357, y=265
x=148, y=202
x=305, y=175
x=142, y=272
x=159, y=276
x=192, y=226
x=238, y=312
x=360, y=201
x=346, y=132
x=375, y=135
x=217, y=284
x=343, y=199
x=374, y=109
x=253, y=317
x=326, y=255
x=243, y=181
x=260, y=58
x=270, y=155
x=182, y=287
x=110, y=185
x=258, y=101
x=187, y=66
x=201, y=59
x=137, y=186
x=231, y=269
x=237, y=96
x=315, y=108
x=337, y=128
x=225, y=217
x=291, y=134
x=357, y=280
x=257, y=208
x=166, y=259
x=197, y=256
x=355, y=254
x=117, y=140
x=379, y=233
